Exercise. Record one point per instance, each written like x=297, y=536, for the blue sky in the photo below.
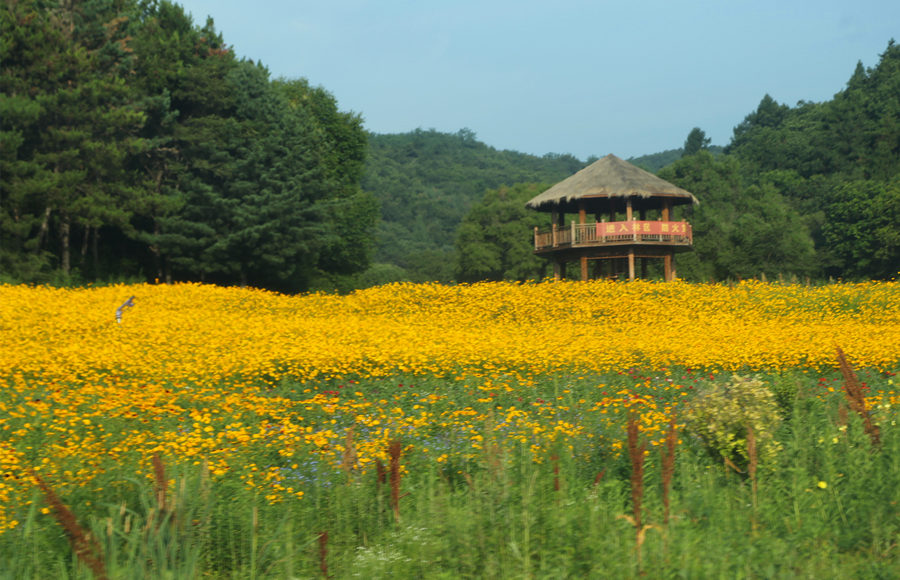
x=560, y=76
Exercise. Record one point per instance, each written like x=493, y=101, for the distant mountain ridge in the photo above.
x=426, y=181
x=656, y=161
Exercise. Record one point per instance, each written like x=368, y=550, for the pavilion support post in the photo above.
x=666, y=209
x=629, y=212
x=584, y=269
x=631, y=263
x=557, y=270
x=668, y=266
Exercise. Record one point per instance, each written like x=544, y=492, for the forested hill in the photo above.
x=656, y=161
x=806, y=191
x=426, y=182
x=137, y=145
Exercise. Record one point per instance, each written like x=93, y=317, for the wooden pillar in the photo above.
x=666, y=209
x=584, y=269
x=557, y=270
x=631, y=263
x=629, y=213
x=667, y=266
x=582, y=212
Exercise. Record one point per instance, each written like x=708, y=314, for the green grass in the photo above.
x=830, y=508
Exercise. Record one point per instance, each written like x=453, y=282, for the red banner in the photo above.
x=648, y=228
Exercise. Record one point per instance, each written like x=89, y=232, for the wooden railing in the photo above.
x=603, y=233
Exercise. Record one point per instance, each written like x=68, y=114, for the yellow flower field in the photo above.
x=198, y=373
x=208, y=333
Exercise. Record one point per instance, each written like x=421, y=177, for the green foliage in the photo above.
x=427, y=182
x=138, y=138
x=493, y=241
x=135, y=143
x=862, y=228
x=656, y=161
x=740, y=230
x=722, y=413
x=827, y=169
x=827, y=509
x=695, y=141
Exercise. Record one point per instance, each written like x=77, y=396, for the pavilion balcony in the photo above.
x=606, y=234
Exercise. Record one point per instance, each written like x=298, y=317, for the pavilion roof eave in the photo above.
x=607, y=178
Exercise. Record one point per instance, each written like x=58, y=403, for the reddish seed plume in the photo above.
x=853, y=392
x=86, y=548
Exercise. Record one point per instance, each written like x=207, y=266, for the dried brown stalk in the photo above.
x=380, y=474
x=323, y=553
x=668, y=465
x=555, y=459
x=349, y=458
x=636, y=453
x=159, y=482
x=842, y=415
x=754, y=461
x=853, y=392
x=494, y=456
x=83, y=544
x=395, y=449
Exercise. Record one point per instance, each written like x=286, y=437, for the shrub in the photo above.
x=721, y=414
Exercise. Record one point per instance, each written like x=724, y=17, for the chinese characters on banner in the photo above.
x=648, y=228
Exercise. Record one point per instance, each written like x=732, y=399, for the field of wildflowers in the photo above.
x=290, y=405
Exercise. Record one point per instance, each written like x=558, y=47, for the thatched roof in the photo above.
x=609, y=177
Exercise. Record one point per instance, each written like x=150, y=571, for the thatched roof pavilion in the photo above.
x=610, y=189
x=606, y=178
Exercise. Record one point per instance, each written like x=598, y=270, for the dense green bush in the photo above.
x=722, y=413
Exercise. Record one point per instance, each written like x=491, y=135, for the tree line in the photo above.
x=135, y=143
x=810, y=191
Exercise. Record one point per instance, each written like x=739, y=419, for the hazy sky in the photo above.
x=564, y=76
